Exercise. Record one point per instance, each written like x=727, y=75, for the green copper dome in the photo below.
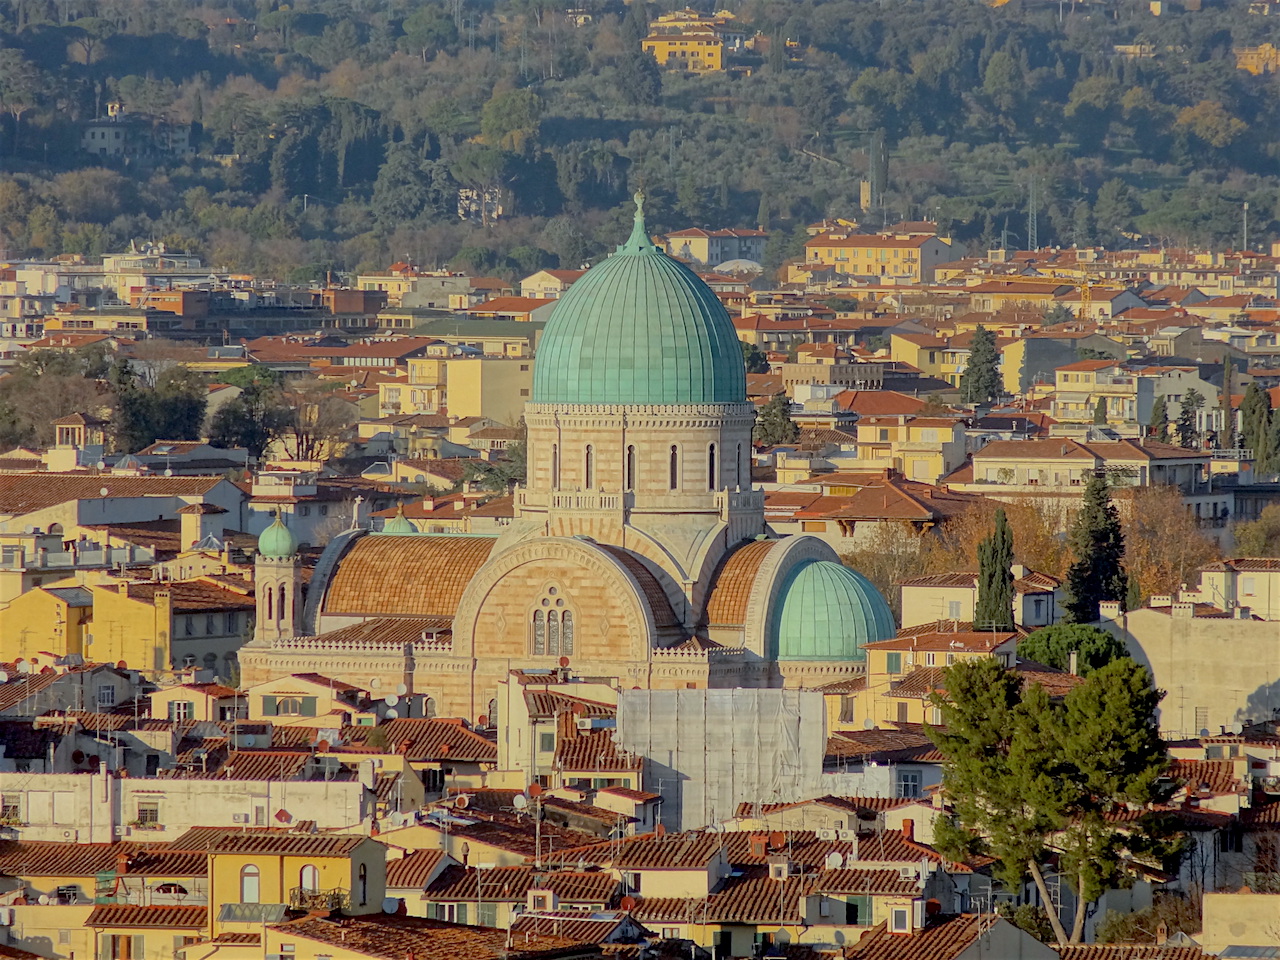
x=399, y=525
x=827, y=612
x=277, y=542
x=639, y=328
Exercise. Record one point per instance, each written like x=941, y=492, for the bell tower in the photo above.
x=277, y=577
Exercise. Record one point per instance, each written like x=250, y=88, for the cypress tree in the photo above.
x=1097, y=543
x=994, y=609
x=1160, y=420
x=980, y=382
x=1188, y=431
x=1100, y=412
x=1257, y=431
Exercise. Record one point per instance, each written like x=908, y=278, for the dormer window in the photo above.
x=900, y=920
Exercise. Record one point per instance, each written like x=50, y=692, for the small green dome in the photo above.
x=277, y=542
x=827, y=612
x=639, y=328
x=399, y=525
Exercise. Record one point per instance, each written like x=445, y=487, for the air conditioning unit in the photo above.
x=907, y=873
x=239, y=818
x=6, y=916
x=584, y=723
x=847, y=835
x=826, y=834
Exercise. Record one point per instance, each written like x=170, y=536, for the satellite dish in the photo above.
x=390, y=904
x=564, y=661
x=519, y=801
x=835, y=859
x=375, y=683
x=392, y=713
x=401, y=689
x=868, y=724
x=390, y=700
x=627, y=903
x=101, y=464
x=248, y=740
x=462, y=801
x=102, y=491
x=44, y=900
x=535, y=790
x=4, y=677
x=482, y=720
x=169, y=472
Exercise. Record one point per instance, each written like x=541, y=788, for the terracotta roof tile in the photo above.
x=430, y=740
x=943, y=939
x=663, y=614
x=414, y=869
x=24, y=493
x=1220, y=776
x=371, y=578
x=389, y=937
x=731, y=585
x=1127, y=951
x=133, y=915
x=288, y=844
x=514, y=883
x=595, y=752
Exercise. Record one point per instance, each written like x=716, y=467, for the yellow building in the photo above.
x=146, y=625
x=1258, y=60
x=920, y=448
x=344, y=872
x=492, y=387
x=899, y=257
x=903, y=673
x=923, y=351
x=693, y=52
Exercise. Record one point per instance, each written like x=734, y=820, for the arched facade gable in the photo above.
x=613, y=618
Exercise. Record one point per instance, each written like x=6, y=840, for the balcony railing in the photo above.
x=300, y=898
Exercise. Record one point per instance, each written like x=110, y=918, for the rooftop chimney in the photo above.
x=909, y=829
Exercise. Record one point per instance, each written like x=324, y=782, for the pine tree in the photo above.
x=1188, y=429
x=994, y=609
x=774, y=424
x=1160, y=420
x=980, y=382
x=1023, y=771
x=1097, y=574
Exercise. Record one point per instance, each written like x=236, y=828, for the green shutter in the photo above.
x=308, y=706
x=488, y=915
x=269, y=706
x=893, y=662
x=139, y=947
x=462, y=913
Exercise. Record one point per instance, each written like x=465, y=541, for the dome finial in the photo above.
x=639, y=241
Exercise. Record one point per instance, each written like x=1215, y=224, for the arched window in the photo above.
x=631, y=467
x=712, y=479
x=675, y=467
x=566, y=633
x=249, y=884
x=539, y=633
x=493, y=713
x=271, y=594
x=429, y=707
x=555, y=466
x=738, y=469
x=589, y=468
x=280, y=604
x=553, y=634
x=289, y=707
x=363, y=885
x=309, y=878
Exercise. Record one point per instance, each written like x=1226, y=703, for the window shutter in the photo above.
x=308, y=706
x=139, y=947
x=269, y=706
x=462, y=913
